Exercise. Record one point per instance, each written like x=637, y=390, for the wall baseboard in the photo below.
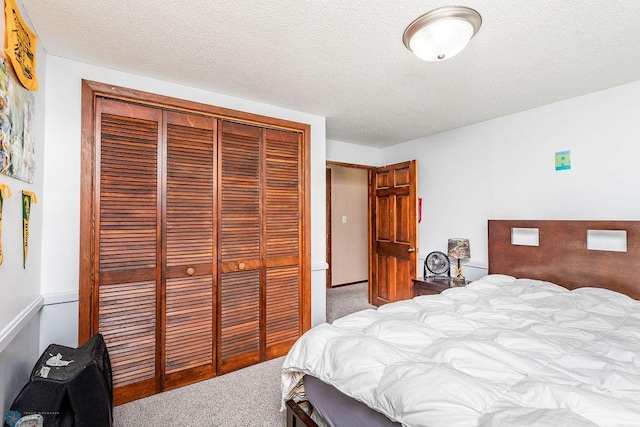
x=350, y=283
x=19, y=322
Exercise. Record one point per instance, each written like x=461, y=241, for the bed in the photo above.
x=550, y=337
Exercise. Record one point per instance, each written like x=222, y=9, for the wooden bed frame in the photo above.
x=296, y=417
x=561, y=257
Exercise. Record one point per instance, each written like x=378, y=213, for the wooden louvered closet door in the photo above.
x=156, y=293
x=259, y=244
x=283, y=231
x=194, y=239
x=127, y=298
x=239, y=246
x=189, y=312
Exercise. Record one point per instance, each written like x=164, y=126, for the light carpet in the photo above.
x=248, y=397
x=345, y=300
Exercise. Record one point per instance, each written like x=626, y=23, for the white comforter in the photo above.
x=499, y=352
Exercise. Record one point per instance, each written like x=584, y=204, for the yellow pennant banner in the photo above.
x=21, y=46
x=5, y=193
x=28, y=198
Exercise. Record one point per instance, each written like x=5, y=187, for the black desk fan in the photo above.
x=437, y=263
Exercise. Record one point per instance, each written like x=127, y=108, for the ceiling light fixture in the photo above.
x=442, y=33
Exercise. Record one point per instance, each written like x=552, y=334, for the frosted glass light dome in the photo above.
x=442, y=33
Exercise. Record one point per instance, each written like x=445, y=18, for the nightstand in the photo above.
x=432, y=285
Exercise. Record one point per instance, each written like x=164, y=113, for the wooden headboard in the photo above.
x=562, y=256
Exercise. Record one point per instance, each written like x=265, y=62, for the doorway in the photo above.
x=391, y=235
x=347, y=224
x=347, y=207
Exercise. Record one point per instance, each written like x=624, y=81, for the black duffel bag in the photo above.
x=75, y=394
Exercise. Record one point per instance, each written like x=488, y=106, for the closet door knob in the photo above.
x=241, y=266
x=190, y=271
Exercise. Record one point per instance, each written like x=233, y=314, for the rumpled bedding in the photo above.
x=499, y=352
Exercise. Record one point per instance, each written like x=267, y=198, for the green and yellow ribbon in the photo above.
x=5, y=193
x=28, y=198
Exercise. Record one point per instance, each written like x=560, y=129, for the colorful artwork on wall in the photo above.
x=563, y=160
x=28, y=199
x=21, y=46
x=17, y=140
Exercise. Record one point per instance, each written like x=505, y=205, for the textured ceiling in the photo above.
x=345, y=60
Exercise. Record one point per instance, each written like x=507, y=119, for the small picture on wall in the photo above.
x=17, y=141
x=563, y=160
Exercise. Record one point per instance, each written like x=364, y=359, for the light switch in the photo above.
x=344, y=219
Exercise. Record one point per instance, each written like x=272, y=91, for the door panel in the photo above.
x=239, y=246
x=383, y=219
x=240, y=194
x=189, y=317
x=402, y=219
x=126, y=299
x=239, y=320
x=393, y=233
x=382, y=179
x=283, y=304
x=401, y=176
x=405, y=270
x=189, y=341
x=282, y=236
x=128, y=323
x=383, y=267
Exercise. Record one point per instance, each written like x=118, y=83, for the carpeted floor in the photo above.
x=248, y=397
x=345, y=300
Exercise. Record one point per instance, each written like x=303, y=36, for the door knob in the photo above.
x=241, y=266
x=190, y=271
x=411, y=249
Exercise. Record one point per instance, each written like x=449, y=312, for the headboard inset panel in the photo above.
x=562, y=256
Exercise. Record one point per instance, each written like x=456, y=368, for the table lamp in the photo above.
x=459, y=249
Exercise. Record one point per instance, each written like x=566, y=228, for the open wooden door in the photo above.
x=393, y=222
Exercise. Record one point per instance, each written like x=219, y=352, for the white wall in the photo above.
x=504, y=169
x=59, y=320
x=338, y=151
x=349, y=240
x=62, y=176
x=20, y=300
x=19, y=287
x=17, y=360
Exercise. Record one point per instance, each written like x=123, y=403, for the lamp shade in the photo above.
x=459, y=248
x=442, y=33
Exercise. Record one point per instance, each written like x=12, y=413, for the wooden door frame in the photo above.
x=90, y=92
x=328, y=215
